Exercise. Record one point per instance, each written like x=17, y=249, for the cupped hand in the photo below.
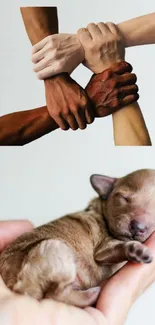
x=103, y=46
x=120, y=290
x=68, y=103
x=55, y=54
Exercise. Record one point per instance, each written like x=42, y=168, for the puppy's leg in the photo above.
x=49, y=264
x=115, y=251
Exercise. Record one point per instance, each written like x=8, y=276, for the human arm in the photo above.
x=20, y=128
x=63, y=52
x=139, y=30
x=103, y=46
x=23, y=127
x=72, y=105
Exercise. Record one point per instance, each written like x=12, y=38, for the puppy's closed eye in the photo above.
x=122, y=198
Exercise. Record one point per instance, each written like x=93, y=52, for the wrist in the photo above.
x=80, y=49
x=104, y=66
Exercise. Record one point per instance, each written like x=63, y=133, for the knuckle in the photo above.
x=81, y=30
x=91, y=25
x=134, y=77
x=56, y=113
x=33, y=58
x=136, y=88
x=49, y=38
x=113, y=83
x=117, y=102
x=84, y=101
x=40, y=76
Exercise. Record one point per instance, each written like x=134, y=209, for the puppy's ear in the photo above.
x=103, y=185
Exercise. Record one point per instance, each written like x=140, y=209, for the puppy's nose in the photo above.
x=137, y=228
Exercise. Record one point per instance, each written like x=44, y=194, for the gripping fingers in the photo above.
x=89, y=113
x=61, y=122
x=124, y=91
x=94, y=31
x=80, y=118
x=71, y=121
x=121, y=67
x=37, y=47
x=129, y=99
x=126, y=79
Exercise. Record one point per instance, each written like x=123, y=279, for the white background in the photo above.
x=50, y=177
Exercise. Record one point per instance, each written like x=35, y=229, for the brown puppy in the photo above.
x=68, y=259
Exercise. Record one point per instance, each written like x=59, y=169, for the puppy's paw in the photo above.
x=137, y=252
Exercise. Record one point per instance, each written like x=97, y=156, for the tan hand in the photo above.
x=68, y=103
x=55, y=54
x=103, y=46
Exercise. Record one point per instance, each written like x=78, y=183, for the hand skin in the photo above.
x=76, y=110
x=128, y=124
x=130, y=282
x=108, y=91
x=55, y=54
x=103, y=46
x=62, y=50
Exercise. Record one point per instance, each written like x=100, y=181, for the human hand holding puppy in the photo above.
x=15, y=309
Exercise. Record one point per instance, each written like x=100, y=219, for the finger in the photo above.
x=122, y=288
x=40, y=65
x=70, y=119
x=4, y=291
x=90, y=113
x=10, y=230
x=118, y=68
x=80, y=118
x=103, y=28
x=129, y=99
x=61, y=122
x=84, y=35
x=124, y=91
x=126, y=79
x=37, y=47
x=113, y=28
x=94, y=31
x=121, y=67
x=49, y=71
x=37, y=57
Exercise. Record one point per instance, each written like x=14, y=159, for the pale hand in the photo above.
x=103, y=46
x=55, y=54
x=129, y=282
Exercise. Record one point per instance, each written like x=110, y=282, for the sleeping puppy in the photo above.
x=69, y=258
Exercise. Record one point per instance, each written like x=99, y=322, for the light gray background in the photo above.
x=50, y=177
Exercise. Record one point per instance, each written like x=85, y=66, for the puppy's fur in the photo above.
x=69, y=258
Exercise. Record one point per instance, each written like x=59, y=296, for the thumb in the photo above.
x=10, y=230
x=125, y=286
x=4, y=291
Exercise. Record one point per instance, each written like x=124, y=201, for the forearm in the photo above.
x=40, y=22
x=138, y=31
x=129, y=127
x=23, y=127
